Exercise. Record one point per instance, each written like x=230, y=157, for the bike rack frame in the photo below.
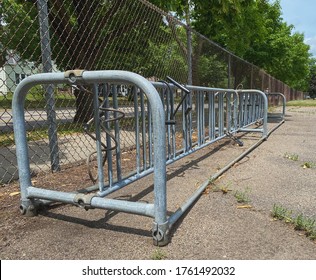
x=232, y=112
x=279, y=96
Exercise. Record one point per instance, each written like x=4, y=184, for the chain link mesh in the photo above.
x=131, y=35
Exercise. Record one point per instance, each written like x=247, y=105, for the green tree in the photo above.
x=86, y=35
x=312, y=82
x=255, y=31
x=19, y=30
x=259, y=35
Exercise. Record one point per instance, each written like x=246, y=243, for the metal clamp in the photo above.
x=29, y=207
x=234, y=138
x=84, y=200
x=73, y=75
x=160, y=233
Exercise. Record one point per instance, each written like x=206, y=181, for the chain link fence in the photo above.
x=133, y=35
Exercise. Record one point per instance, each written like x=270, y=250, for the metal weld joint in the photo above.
x=73, y=75
x=84, y=200
x=160, y=233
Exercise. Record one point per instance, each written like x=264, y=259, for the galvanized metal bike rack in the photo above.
x=277, y=116
x=202, y=116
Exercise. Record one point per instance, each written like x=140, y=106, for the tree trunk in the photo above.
x=84, y=106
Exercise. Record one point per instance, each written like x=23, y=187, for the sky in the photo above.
x=302, y=14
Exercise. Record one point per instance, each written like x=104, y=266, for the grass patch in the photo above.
x=158, y=254
x=302, y=103
x=36, y=99
x=7, y=139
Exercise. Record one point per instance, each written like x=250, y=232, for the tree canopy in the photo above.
x=114, y=31
x=253, y=30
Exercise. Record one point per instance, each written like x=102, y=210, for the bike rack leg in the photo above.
x=160, y=233
x=29, y=207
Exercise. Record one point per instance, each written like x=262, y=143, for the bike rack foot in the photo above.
x=29, y=208
x=160, y=233
x=231, y=136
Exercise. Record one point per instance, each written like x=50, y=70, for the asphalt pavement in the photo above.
x=217, y=226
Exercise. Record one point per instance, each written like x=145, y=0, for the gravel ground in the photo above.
x=216, y=226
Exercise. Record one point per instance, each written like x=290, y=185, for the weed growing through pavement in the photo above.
x=304, y=223
x=281, y=213
x=309, y=164
x=312, y=236
x=293, y=157
x=310, y=228
x=300, y=222
x=242, y=196
x=158, y=255
x=223, y=188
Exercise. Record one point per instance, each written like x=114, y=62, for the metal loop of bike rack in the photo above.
x=277, y=116
x=211, y=114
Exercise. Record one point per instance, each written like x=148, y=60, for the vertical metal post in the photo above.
x=228, y=71
x=98, y=137
x=184, y=125
x=143, y=116
x=246, y=113
x=211, y=106
x=168, y=95
x=135, y=91
x=189, y=45
x=251, y=78
x=228, y=111
x=49, y=89
x=189, y=41
x=108, y=137
x=221, y=113
x=117, y=138
x=235, y=96
x=241, y=109
x=150, y=135
x=202, y=117
x=189, y=97
x=198, y=115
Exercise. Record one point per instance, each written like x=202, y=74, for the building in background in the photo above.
x=13, y=71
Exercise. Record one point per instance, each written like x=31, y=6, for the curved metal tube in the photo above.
x=283, y=99
x=94, y=77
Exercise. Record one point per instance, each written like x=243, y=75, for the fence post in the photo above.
x=189, y=38
x=49, y=89
x=229, y=71
x=189, y=41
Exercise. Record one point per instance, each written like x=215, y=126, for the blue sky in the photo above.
x=302, y=14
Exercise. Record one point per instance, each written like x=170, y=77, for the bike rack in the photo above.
x=277, y=116
x=204, y=116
